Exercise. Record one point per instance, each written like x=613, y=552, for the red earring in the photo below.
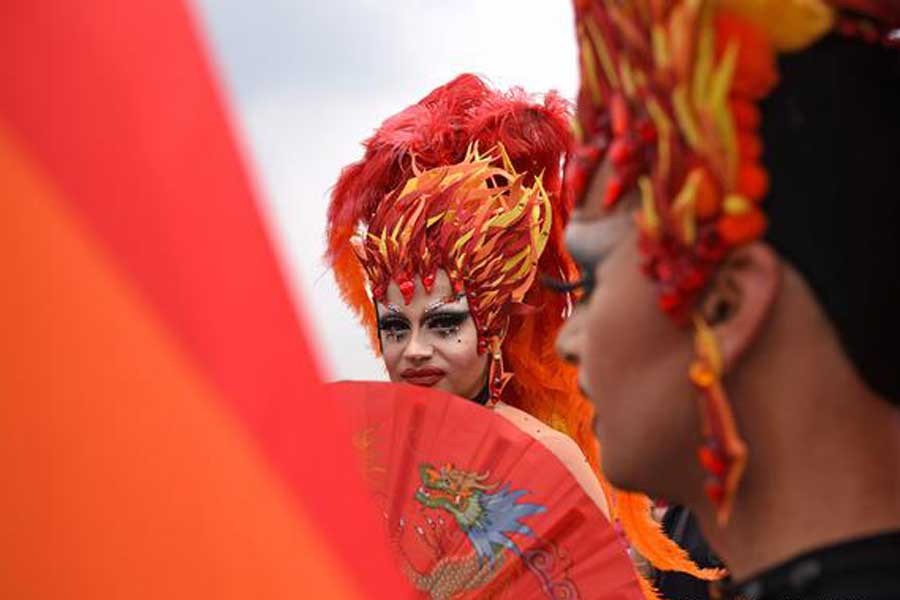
x=497, y=377
x=723, y=454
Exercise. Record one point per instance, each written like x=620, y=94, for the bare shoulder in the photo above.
x=562, y=446
x=559, y=443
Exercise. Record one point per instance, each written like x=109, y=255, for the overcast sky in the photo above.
x=308, y=80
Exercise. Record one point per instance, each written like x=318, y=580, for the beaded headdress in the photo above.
x=478, y=222
x=670, y=93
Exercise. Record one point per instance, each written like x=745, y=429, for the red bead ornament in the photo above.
x=694, y=279
x=723, y=455
x=620, y=118
x=669, y=302
x=711, y=461
x=577, y=178
x=407, y=288
x=715, y=491
x=753, y=181
x=622, y=151
x=742, y=229
x=647, y=131
x=428, y=282
x=497, y=376
x=615, y=187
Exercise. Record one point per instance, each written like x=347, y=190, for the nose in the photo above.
x=418, y=350
x=570, y=340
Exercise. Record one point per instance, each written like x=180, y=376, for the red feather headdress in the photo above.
x=669, y=95
x=473, y=177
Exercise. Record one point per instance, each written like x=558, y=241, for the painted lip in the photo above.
x=426, y=377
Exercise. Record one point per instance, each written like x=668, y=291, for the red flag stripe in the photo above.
x=117, y=103
x=124, y=475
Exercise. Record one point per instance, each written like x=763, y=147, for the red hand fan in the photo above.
x=475, y=507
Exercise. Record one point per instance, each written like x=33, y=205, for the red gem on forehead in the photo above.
x=428, y=282
x=407, y=288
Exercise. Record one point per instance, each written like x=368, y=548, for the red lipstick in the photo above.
x=425, y=377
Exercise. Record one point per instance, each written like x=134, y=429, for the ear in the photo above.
x=740, y=298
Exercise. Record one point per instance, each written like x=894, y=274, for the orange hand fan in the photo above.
x=475, y=507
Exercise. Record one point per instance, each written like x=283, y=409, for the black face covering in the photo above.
x=832, y=147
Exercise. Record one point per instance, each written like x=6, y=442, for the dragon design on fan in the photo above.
x=486, y=518
x=488, y=514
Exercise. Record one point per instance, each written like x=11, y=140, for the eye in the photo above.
x=582, y=288
x=447, y=324
x=586, y=284
x=393, y=328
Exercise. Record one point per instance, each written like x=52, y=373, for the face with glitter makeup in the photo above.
x=432, y=341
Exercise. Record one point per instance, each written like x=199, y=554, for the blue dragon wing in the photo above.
x=502, y=514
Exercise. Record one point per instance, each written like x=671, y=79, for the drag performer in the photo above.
x=737, y=227
x=438, y=238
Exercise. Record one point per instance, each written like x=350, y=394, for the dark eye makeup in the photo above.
x=583, y=286
x=443, y=322
x=446, y=321
x=393, y=323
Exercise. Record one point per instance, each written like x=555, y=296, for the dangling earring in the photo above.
x=723, y=454
x=497, y=377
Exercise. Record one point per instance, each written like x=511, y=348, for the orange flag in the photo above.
x=162, y=435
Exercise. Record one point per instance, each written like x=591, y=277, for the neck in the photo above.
x=824, y=464
x=483, y=396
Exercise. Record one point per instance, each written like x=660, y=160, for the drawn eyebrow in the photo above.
x=443, y=302
x=452, y=317
x=392, y=317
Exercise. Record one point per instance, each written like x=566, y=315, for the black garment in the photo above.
x=680, y=525
x=830, y=132
x=864, y=569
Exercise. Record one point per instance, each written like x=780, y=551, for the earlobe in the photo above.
x=741, y=297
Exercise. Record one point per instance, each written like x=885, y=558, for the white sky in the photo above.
x=309, y=80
